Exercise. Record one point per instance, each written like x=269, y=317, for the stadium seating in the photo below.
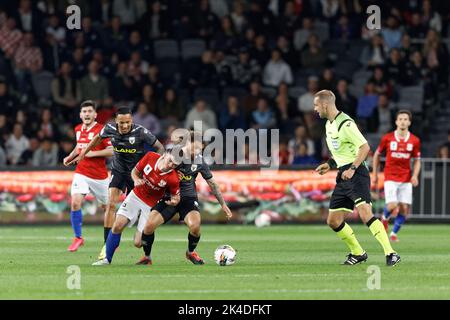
x=42, y=84
x=411, y=98
x=166, y=49
x=192, y=48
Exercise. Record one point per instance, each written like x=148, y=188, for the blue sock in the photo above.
x=111, y=244
x=76, y=218
x=386, y=213
x=398, y=223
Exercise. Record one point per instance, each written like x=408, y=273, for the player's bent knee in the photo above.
x=404, y=209
x=149, y=229
x=195, y=230
x=76, y=205
x=119, y=224
x=333, y=222
x=137, y=243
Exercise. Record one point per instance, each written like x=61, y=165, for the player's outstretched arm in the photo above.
x=376, y=164
x=215, y=189
x=105, y=153
x=363, y=152
x=73, y=153
x=323, y=168
x=94, y=142
x=159, y=147
x=415, y=175
x=136, y=175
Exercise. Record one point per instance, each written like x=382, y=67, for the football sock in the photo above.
x=193, y=242
x=147, y=243
x=377, y=229
x=398, y=223
x=106, y=231
x=345, y=232
x=112, y=243
x=76, y=218
x=386, y=213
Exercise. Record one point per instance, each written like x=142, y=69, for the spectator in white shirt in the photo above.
x=306, y=100
x=200, y=112
x=16, y=144
x=46, y=154
x=277, y=71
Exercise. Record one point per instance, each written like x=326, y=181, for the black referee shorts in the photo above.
x=185, y=206
x=121, y=181
x=350, y=193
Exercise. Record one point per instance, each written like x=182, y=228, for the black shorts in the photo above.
x=121, y=181
x=350, y=193
x=185, y=206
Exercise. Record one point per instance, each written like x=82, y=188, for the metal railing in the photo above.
x=431, y=196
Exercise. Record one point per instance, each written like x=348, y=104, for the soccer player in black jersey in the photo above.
x=128, y=140
x=188, y=207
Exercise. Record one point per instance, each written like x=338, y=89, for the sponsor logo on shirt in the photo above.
x=185, y=177
x=125, y=150
x=400, y=155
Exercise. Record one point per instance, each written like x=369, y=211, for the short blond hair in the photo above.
x=326, y=96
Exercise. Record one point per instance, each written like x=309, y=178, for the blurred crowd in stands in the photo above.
x=230, y=63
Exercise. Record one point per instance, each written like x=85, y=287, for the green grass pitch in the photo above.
x=278, y=262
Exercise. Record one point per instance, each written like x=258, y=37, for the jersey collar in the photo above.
x=398, y=138
x=88, y=129
x=337, y=115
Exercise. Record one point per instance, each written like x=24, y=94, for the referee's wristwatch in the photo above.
x=353, y=167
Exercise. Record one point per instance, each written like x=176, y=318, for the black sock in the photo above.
x=193, y=242
x=106, y=231
x=147, y=243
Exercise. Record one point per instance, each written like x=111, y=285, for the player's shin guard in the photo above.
x=386, y=213
x=106, y=231
x=76, y=218
x=345, y=232
x=147, y=243
x=112, y=243
x=377, y=229
x=192, y=242
x=398, y=223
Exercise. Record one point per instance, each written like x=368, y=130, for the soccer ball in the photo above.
x=225, y=255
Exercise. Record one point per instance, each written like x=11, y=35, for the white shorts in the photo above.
x=84, y=185
x=398, y=192
x=135, y=209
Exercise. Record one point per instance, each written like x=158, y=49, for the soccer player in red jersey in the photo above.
x=91, y=174
x=400, y=146
x=152, y=176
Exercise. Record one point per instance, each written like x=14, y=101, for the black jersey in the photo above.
x=128, y=148
x=189, y=173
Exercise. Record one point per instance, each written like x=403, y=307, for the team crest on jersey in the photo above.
x=132, y=140
x=335, y=144
x=162, y=183
x=409, y=147
x=393, y=145
x=91, y=135
x=193, y=167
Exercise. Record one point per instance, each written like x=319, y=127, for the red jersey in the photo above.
x=94, y=168
x=399, y=152
x=156, y=182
